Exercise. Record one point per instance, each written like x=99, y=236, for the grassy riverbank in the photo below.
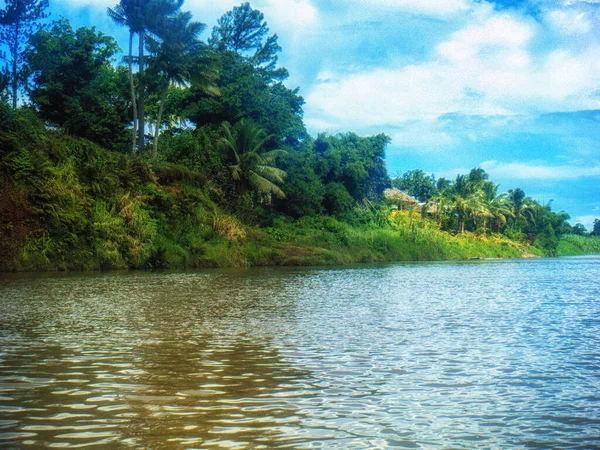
x=573, y=245
x=68, y=204
x=326, y=240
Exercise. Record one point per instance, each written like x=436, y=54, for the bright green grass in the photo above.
x=572, y=244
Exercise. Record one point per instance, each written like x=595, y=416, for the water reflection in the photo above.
x=490, y=355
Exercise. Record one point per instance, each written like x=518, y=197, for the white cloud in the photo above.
x=586, y=220
x=570, y=21
x=428, y=7
x=486, y=68
x=539, y=171
x=299, y=14
x=282, y=16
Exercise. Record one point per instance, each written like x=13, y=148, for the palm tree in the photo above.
x=522, y=208
x=496, y=206
x=142, y=17
x=179, y=57
x=251, y=167
x=128, y=13
x=461, y=196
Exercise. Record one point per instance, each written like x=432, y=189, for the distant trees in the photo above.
x=495, y=206
x=18, y=21
x=417, y=184
x=579, y=229
x=596, y=228
x=472, y=203
x=356, y=162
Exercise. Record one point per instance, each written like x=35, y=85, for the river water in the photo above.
x=498, y=354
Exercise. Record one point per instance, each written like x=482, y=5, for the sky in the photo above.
x=511, y=86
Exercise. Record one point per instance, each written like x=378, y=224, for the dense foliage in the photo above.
x=234, y=179
x=472, y=203
x=75, y=86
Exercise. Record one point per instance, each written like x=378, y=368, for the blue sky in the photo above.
x=512, y=86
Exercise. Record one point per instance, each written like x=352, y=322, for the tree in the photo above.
x=477, y=176
x=244, y=31
x=304, y=189
x=128, y=13
x=416, y=184
x=249, y=87
x=466, y=199
x=18, y=21
x=356, y=162
x=337, y=199
x=544, y=226
x=496, y=206
x=579, y=229
x=142, y=17
x=518, y=203
x=179, y=57
x=75, y=87
x=547, y=240
x=596, y=228
x=252, y=168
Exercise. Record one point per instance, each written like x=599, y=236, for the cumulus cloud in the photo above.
x=571, y=21
x=296, y=13
x=429, y=7
x=488, y=67
x=539, y=171
x=585, y=220
x=283, y=16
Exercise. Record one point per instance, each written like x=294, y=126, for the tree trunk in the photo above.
x=161, y=109
x=15, y=86
x=141, y=90
x=15, y=60
x=132, y=87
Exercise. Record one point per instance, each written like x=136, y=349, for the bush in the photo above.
x=337, y=199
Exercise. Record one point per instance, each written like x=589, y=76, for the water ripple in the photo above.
x=451, y=355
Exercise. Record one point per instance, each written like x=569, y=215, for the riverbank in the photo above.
x=134, y=236
x=575, y=245
x=68, y=204
x=328, y=241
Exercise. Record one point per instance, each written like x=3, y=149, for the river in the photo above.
x=487, y=354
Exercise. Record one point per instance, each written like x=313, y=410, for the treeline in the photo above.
x=472, y=202
x=194, y=153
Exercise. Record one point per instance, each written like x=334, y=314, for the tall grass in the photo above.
x=572, y=244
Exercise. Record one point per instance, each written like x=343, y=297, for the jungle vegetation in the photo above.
x=194, y=153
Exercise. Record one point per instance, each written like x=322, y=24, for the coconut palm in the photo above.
x=252, y=168
x=180, y=58
x=141, y=17
x=128, y=13
x=465, y=200
x=523, y=209
x=496, y=206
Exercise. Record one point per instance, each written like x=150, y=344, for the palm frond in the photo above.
x=264, y=186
